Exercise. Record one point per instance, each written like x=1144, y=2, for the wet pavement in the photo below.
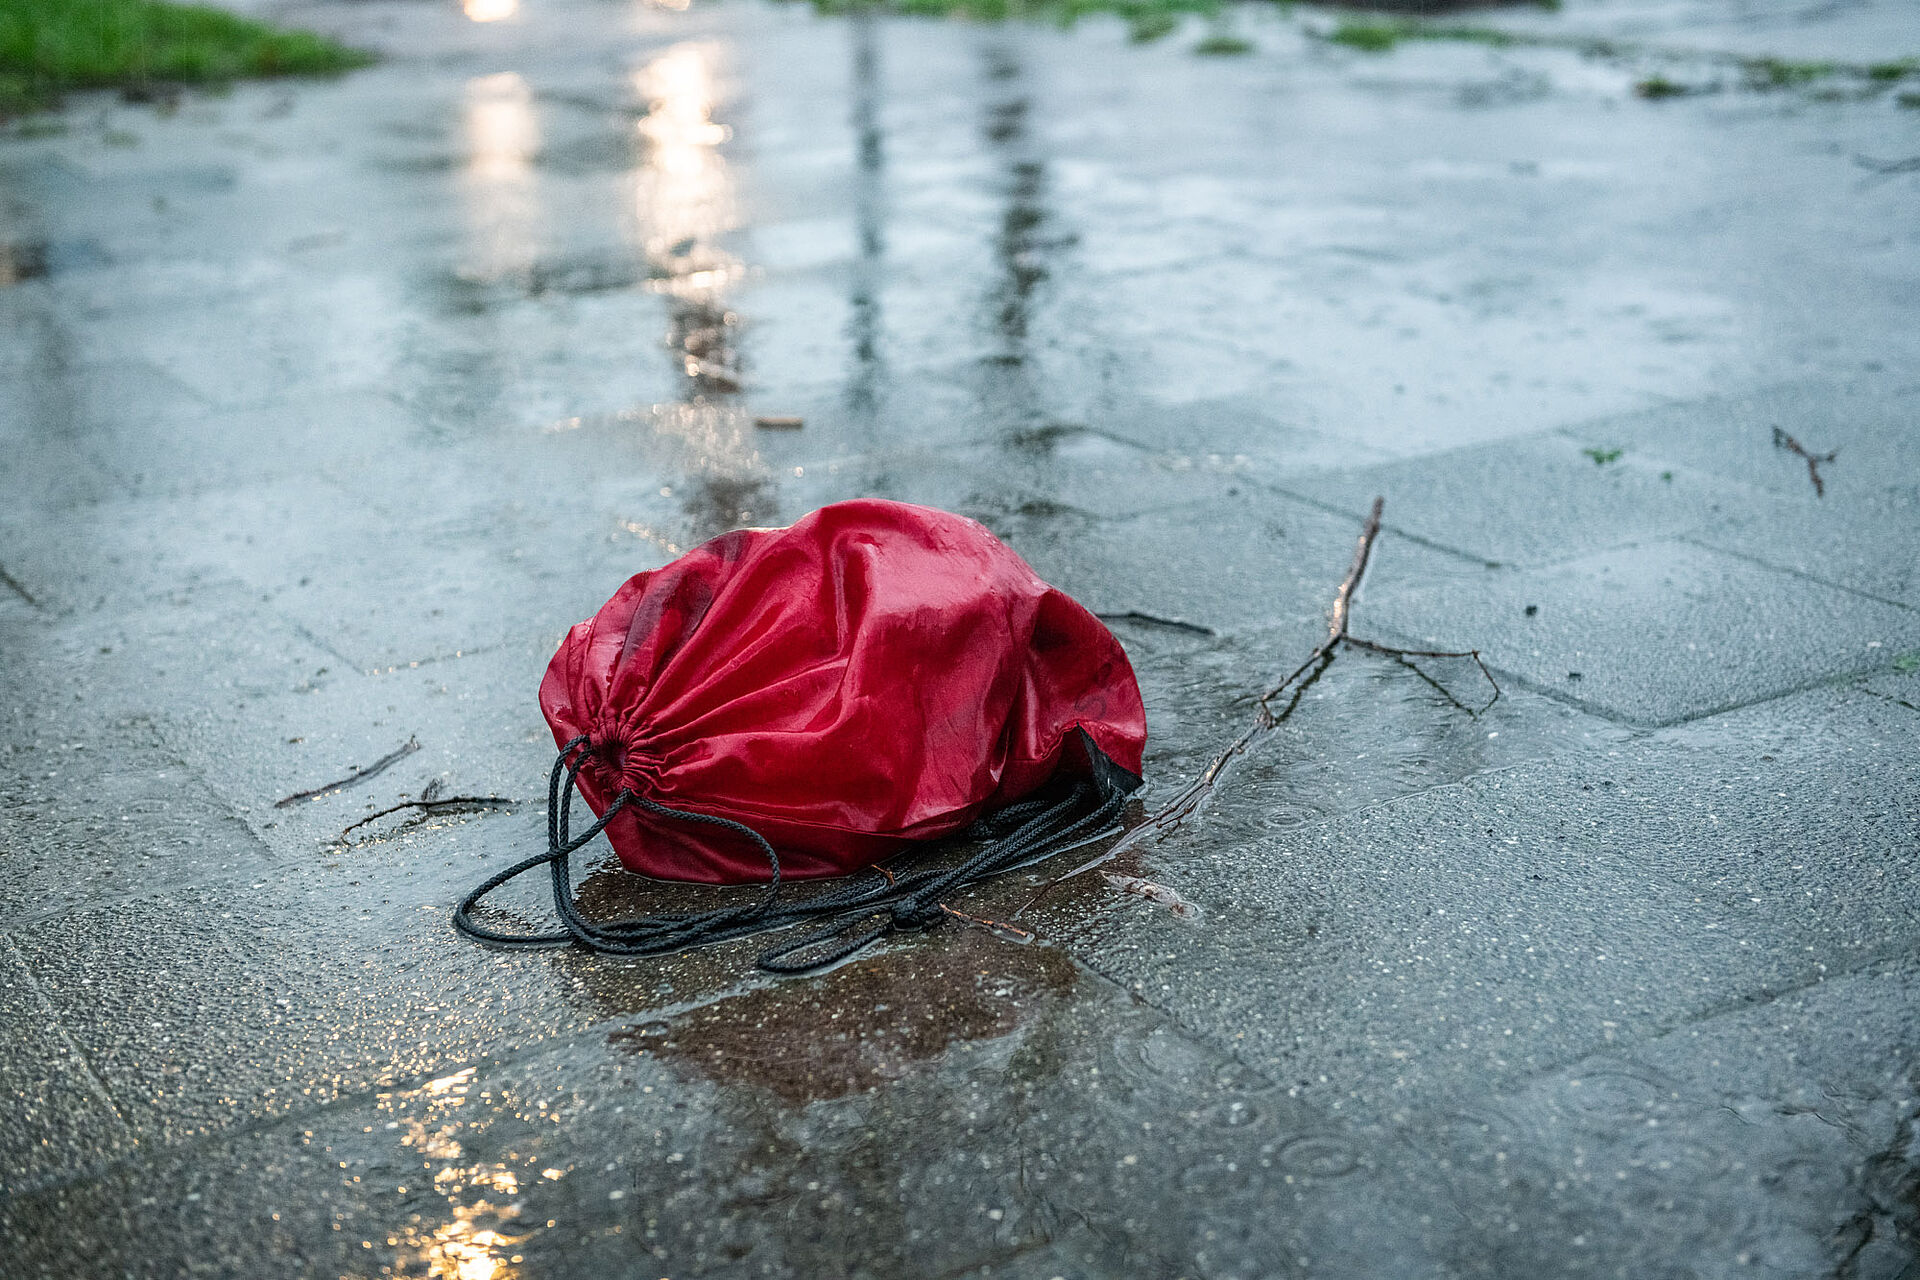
x=327, y=407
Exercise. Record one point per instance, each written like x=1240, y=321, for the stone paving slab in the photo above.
x=1523, y=918
x=1232, y=562
x=1869, y=422
x=61, y=1119
x=1554, y=501
x=1867, y=542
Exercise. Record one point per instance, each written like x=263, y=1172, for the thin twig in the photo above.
x=1339, y=619
x=1404, y=654
x=1153, y=619
x=381, y=765
x=1342, y=612
x=1781, y=440
x=1010, y=932
x=13, y=584
x=494, y=802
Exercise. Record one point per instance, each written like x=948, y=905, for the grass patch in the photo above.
x=1378, y=35
x=1657, y=86
x=1381, y=35
x=48, y=47
x=1601, y=457
x=1222, y=45
x=1369, y=37
x=1155, y=24
x=1782, y=73
x=1147, y=20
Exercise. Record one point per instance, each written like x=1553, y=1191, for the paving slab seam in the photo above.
x=1386, y=525
x=95, y=1085
x=269, y=855
x=13, y=584
x=1759, y=391
x=1614, y=717
x=1761, y=562
x=1728, y=1009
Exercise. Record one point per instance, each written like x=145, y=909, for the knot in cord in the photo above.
x=913, y=916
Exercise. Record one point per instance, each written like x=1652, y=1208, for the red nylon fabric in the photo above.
x=876, y=674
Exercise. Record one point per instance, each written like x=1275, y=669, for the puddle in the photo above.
x=22, y=260
x=866, y=1024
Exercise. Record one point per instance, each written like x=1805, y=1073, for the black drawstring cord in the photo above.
x=1019, y=834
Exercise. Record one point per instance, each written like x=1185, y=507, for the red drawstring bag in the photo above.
x=806, y=702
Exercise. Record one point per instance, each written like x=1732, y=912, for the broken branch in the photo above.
x=1154, y=619
x=485, y=802
x=1781, y=440
x=381, y=765
x=1339, y=619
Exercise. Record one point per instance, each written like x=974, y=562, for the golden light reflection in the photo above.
x=476, y=1241
x=490, y=10
x=500, y=187
x=684, y=194
x=503, y=135
x=684, y=206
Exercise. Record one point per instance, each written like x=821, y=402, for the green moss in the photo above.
x=1780, y=73
x=1657, y=86
x=1222, y=45
x=50, y=46
x=1147, y=20
x=1887, y=71
x=1377, y=35
x=1911, y=101
x=1601, y=457
x=1145, y=28
x=1370, y=37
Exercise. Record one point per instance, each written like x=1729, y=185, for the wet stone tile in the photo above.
x=1531, y=501
x=1868, y=423
x=1653, y=634
x=1776, y=1137
x=1247, y=433
x=1864, y=539
x=1366, y=731
x=207, y=1006
x=60, y=1119
x=100, y=811
x=1476, y=934
x=1227, y=563
x=1039, y=1120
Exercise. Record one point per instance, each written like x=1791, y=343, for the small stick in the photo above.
x=1012, y=933
x=1343, y=603
x=1404, y=654
x=485, y=801
x=1178, y=624
x=1342, y=612
x=13, y=584
x=358, y=775
x=1781, y=440
x=1189, y=798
